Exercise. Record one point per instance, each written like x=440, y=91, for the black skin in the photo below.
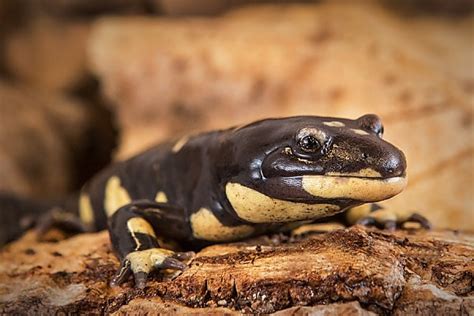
x=208, y=161
x=269, y=156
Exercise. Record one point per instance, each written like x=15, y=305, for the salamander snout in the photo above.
x=392, y=164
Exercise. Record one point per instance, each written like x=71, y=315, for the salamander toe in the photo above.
x=141, y=263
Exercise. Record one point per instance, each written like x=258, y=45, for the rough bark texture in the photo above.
x=354, y=271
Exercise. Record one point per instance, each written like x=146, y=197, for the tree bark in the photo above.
x=353, y=271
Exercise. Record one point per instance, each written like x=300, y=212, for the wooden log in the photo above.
x=354, y=271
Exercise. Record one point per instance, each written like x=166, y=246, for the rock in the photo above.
x=48, y=53
x=169, y=77
x=48, y=142
x=35, y=129
x=354, y=271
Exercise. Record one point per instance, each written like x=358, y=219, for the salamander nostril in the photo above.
x=365, y=156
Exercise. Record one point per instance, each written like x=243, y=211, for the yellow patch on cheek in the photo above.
x=256, y=207
x=206, y=226
x=161, y=197
x=86, y=212
x=115, y=196
x=367, y=190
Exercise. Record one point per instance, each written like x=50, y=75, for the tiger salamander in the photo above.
x=232, y=184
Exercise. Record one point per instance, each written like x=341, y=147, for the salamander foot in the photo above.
x=141, y=263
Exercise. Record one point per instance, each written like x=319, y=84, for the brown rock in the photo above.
x=170, y=77
x=401, y=272
x=48, y=53
x=35, y=128
x=48, y=142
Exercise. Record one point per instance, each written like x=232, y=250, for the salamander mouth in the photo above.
x=362, y=188
x=342, y=175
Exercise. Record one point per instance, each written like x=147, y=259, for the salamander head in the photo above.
x=307, y=167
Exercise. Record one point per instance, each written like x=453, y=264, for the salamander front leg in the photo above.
x=374, y=215
x=134, y=239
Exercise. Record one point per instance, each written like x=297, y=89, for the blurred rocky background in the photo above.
x=83, y=83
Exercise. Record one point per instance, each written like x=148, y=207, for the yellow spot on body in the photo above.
x=86, y=212
x=179, y=144
x=358, y=212
x=115, y=196
x=161, y=197
x=359, y=131
x=367, y=173
x=146, y=260
x=206, y=226
x=256, y=207
x=140, y=225
x=334, y=124
x=362, y=189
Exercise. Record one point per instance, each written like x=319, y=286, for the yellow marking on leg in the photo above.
x=146, y=260
x=115, y=196
x=86, y=212
x=293, y=225
x=334, y=124
x=387, y=214
x=366, y=173
x=179, y=144
x=207, y=226
x=359, y=131
x=358, y=212
x=383, y=216
x=362, y=189
x=256, y=207
x=139, y=225
x=161, y=197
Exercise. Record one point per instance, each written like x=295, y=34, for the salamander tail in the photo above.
x=18, y=214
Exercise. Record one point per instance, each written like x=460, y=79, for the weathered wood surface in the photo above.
x=354, y=271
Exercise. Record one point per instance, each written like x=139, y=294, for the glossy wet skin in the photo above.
x=315, y=160
x=232, y=184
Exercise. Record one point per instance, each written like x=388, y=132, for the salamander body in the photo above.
x=240, y=182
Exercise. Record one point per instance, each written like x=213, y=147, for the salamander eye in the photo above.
x=371, y=122
x=309, y=144
x=380, y=131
